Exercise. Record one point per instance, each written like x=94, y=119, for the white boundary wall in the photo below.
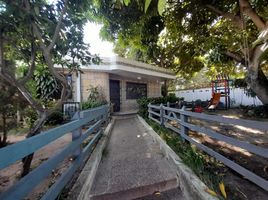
x=237, y=95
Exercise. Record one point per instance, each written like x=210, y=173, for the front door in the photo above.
x=115, y=94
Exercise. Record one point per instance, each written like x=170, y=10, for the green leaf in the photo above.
x=161, y=6
x=126, y=2
x=36, y=10
x=147, y=4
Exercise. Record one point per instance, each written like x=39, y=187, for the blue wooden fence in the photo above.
x=164, y=115
x=93, y=118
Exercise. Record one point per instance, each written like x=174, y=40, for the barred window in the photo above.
x=136, y=90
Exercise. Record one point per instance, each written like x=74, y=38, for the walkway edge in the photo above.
x=191, y=186
x=83, y=184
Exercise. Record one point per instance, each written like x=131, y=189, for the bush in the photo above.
x=96, y=98
x=91, y=104
x=30, y=116
x=255, y=111
x=206, y=168
x=143, y=103
x=55, y=118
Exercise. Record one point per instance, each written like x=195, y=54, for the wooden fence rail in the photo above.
x=163, y=115
x=93, y=118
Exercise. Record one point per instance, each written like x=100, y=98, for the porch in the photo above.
x=122, y=81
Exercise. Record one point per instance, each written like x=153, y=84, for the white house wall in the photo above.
x=95, y=79
x=101, y=80
x=237, y=96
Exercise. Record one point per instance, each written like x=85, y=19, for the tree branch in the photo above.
x=236, y=20
x=36, y=30
x=22, y=90
x=49, y=62
x=46, y=50
x=264, y=34
x=260, y=50
x=236, y=57
x=1, y=51
x=262, y=40
x=29, y=74
x=58, y=27
x=246, y=8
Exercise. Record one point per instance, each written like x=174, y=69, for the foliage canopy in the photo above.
x=227, y=37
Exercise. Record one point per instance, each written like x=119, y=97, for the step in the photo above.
x=127, y=113
x=173, y=194
x=142, y=192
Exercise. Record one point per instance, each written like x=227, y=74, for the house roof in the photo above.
x=128, y=67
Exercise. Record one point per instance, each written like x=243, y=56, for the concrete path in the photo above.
x=133, y=167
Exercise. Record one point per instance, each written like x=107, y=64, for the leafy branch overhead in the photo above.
x=224, y=37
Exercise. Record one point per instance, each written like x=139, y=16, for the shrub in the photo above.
x=255, y=111
x=96, y=98
x=91, y=104
x=55, y=118
x=143, y=103
x=206, y=168
x=30, y=116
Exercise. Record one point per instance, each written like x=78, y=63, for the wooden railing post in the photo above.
x=106, y=116
x=161, y=115
x=76, y=134
x=184, y=130
x=108, y=113
x=168, y=105
x=149, y=109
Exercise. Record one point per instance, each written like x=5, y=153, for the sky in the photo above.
x=91, y=31
x=97, y=46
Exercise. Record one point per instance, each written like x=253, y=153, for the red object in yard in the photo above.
x=198, y=109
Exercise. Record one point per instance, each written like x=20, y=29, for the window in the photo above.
x=136, y=90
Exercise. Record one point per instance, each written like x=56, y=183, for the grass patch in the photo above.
x=18, y=131
x=210, y=171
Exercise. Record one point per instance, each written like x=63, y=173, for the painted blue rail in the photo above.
x=93, y=118
x=177, y=120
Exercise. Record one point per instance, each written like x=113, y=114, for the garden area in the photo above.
x=16, y=131
x=43, y=51
x=207, y=168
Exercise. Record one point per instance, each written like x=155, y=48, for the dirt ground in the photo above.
x=242, y=188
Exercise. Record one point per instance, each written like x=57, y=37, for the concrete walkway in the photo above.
x=133, y=167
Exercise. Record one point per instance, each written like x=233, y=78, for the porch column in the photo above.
x=78, y=87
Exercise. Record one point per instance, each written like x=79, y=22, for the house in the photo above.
x=122, y=82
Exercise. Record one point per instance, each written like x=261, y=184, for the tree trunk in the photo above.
x=18, y=115
x=258, y=83
x=34, y=131
x=3, y=140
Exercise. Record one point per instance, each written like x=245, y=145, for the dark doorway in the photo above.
x=115, y=94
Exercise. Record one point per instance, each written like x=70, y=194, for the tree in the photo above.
x=36, y=33
x=9, y=100
x=134, y=33
x=227, y=36
x=229, y=32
